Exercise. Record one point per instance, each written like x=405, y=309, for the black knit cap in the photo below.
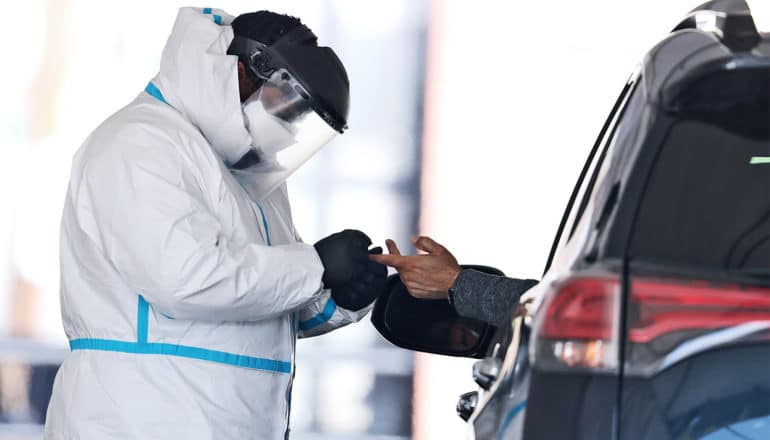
x=267, y=27
x=318, y=69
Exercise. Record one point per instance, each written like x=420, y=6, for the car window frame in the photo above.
x=592, y=165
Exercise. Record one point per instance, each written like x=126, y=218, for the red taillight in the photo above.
x=664, y=307
x=582, y=308
x=579, y=325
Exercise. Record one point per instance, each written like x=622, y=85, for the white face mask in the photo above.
x=269, y=134
x=282, y=143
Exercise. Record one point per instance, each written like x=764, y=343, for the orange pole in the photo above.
x=434, y=46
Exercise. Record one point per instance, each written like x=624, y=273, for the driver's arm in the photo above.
x=436, y=273
x=490, y=298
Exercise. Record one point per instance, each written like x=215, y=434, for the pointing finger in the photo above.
x=396, y=261
x=392, y=248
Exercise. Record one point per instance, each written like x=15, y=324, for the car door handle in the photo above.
x=485, y=371
x=467, y=404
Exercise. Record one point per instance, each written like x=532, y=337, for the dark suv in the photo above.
x=652, y=320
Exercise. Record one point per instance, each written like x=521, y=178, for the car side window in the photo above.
x=583, y=188
x=608, y=142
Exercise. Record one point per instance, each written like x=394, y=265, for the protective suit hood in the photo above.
x=200, y=80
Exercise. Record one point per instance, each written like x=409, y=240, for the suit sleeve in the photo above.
x=149, y=214
x=324, y=315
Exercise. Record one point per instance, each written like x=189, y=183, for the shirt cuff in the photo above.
x=489, y=298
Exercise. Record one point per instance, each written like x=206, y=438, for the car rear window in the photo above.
x=707, y=202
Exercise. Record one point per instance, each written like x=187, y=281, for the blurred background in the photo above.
x=470, y=121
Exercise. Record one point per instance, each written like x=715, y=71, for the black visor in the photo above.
x=323, y=79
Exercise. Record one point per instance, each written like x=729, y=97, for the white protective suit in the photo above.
x=182, y=297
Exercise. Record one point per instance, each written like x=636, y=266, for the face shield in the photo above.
x=285, y=132
x=300, y=106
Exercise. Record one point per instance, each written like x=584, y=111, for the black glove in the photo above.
x=343, y=255
x=364, y=288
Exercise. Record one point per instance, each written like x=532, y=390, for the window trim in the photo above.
x=601, y=140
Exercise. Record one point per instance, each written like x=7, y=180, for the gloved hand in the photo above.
x=365, y=286
x=343, y=255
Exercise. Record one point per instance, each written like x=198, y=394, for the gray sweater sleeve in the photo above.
x=490, y=298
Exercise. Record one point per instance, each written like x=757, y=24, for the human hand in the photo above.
x=343, y=255
x=365, y=286
x=426, y=276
